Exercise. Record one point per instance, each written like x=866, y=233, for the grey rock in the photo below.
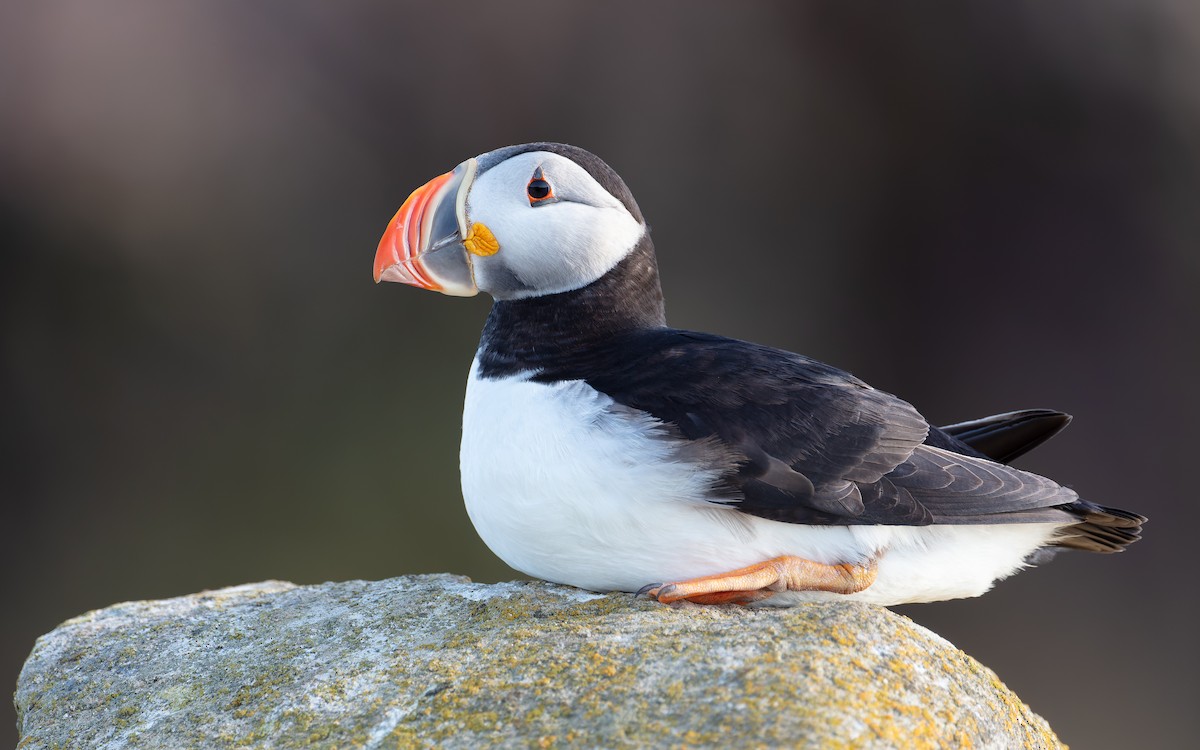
x=438, y=661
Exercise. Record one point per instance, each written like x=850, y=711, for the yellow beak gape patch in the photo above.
x=480, y=240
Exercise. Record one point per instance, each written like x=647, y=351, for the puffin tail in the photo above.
x=1100, y=529
x=1005, y=437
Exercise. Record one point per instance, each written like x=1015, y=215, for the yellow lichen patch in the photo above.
x=480, y=240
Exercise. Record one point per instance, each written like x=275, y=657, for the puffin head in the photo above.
x=517, y=222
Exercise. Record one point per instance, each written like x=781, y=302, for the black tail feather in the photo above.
x=1100, y=529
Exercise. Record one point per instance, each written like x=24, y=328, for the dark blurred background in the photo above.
x=977, y=206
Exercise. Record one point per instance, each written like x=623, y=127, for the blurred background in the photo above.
x=977, y=206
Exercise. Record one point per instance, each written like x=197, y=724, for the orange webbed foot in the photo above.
x=765, y=579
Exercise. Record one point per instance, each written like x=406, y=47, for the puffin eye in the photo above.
x=538, y=189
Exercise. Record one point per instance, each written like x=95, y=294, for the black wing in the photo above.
x=1006, y=437
x=815, y=444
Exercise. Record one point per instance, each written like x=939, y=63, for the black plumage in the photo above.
x=1006, y=437
x=799, y=441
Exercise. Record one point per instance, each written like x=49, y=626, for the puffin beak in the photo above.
x=423, y=244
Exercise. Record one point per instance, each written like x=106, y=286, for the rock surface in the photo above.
x=438, y=661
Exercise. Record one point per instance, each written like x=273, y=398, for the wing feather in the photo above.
x=816, y=445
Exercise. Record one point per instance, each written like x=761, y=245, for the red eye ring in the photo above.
x=538, y=190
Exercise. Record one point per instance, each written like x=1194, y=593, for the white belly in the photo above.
x=564, y=485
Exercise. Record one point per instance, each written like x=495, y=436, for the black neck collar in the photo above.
x=540, y=332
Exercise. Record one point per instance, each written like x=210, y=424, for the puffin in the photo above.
x=603, y=449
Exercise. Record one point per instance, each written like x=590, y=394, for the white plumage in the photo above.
x=564, y=484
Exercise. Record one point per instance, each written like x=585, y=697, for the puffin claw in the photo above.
x=650, y=590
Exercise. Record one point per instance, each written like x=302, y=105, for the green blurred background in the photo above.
x=977, y=206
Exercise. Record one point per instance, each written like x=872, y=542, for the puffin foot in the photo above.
x=765, y=579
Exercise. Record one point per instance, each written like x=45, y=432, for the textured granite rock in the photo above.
x=438, y=661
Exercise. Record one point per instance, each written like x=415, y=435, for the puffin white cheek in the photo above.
x=585, y=244
x=548, y=248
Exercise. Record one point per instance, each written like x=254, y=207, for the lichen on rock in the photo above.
x=438, y=661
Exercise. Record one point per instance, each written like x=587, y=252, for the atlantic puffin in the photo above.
x=605, y=450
